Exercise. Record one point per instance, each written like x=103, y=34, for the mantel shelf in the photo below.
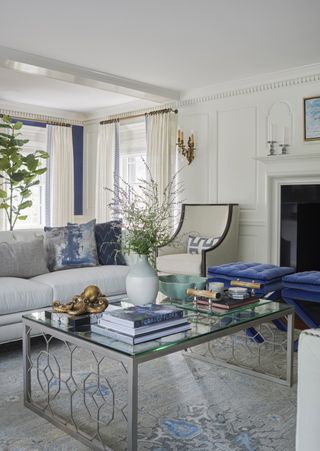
x=288, y=157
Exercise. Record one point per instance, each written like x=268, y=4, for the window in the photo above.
x=132, y=148
x=36, y=214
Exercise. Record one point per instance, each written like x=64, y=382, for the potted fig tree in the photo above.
x=19, y=171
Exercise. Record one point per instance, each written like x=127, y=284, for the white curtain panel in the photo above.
x=161, y=147
x=105, y=171
x=4, y=223
x=61, y=176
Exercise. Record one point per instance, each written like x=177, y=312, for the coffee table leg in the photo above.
x=132, y=405
x=290, y=347
x=26, y=364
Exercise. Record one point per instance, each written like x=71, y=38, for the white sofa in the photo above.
x=19, y=296
x=308, y=435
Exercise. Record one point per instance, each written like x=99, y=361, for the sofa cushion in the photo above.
x=22, y=259
x=108, y=240
x=72, y=246
x=67, y=283
x=189, y=264
x=20, y=295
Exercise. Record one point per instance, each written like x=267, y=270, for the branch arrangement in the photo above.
x=147, y=220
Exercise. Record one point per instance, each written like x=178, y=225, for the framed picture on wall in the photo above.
x=311, y=106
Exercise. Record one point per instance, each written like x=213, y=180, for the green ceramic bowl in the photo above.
x=175, y=286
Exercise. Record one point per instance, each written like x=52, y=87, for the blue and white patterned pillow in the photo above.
x=73, y=246
x=197, y=244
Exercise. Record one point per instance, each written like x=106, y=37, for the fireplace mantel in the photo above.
x=290, y=169
x=291, y=165
x=272, y=159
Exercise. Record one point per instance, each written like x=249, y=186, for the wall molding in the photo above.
x=39, y=117
x=253, y=89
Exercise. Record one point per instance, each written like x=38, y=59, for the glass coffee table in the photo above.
x=60, y=390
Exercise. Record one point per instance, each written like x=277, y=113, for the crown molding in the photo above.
x=37, y=113
x=266, y=82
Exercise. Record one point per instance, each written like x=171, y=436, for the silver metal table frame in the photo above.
x=133, y=361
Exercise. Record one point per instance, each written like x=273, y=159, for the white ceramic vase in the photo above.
x=142, y=282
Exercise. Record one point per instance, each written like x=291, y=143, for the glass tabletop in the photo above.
x=201, y=324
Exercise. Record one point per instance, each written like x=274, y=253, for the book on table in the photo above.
x=139, y=316
x=133, y=332
x=226, y=303
x=149, y=336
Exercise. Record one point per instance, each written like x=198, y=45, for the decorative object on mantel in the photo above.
x=91, y=300
x=272, y=148
x=188, y=151
x=272, y=142
x=279, y=128
x=311, y=108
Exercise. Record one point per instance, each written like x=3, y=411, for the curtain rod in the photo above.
x=132, y=116
x=49, y=122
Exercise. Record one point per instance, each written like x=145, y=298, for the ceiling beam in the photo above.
x=59, y=70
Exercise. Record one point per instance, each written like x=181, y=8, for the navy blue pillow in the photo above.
x=108, y=240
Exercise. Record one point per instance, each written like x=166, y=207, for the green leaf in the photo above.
x=41, y=171
x=5, y=126
x=4, y=163
x=26, y=204
x=23, y=217
x=21, y=142
x=17, y=125
x=4, y=205
x=32, y=162
x=3, y=194
x=18, y=176
x=42, y=153
x=36, y=182
x=6, y=119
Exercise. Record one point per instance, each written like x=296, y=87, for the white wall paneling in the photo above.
x=237, y=145
x=197, y=177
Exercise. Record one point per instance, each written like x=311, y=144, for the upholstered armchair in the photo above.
x=207, y=235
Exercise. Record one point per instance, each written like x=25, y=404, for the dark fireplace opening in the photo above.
x=300, y=227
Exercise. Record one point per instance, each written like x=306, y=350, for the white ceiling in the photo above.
x=174, y=44
x=36, y=90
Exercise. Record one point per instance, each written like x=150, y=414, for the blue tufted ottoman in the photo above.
x=303, y=291
x=269, y=276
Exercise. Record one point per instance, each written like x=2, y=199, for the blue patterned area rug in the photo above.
x=185, y=405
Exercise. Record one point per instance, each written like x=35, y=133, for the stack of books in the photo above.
x=139, y=324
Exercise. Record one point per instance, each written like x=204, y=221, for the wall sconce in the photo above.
x=188, y=151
